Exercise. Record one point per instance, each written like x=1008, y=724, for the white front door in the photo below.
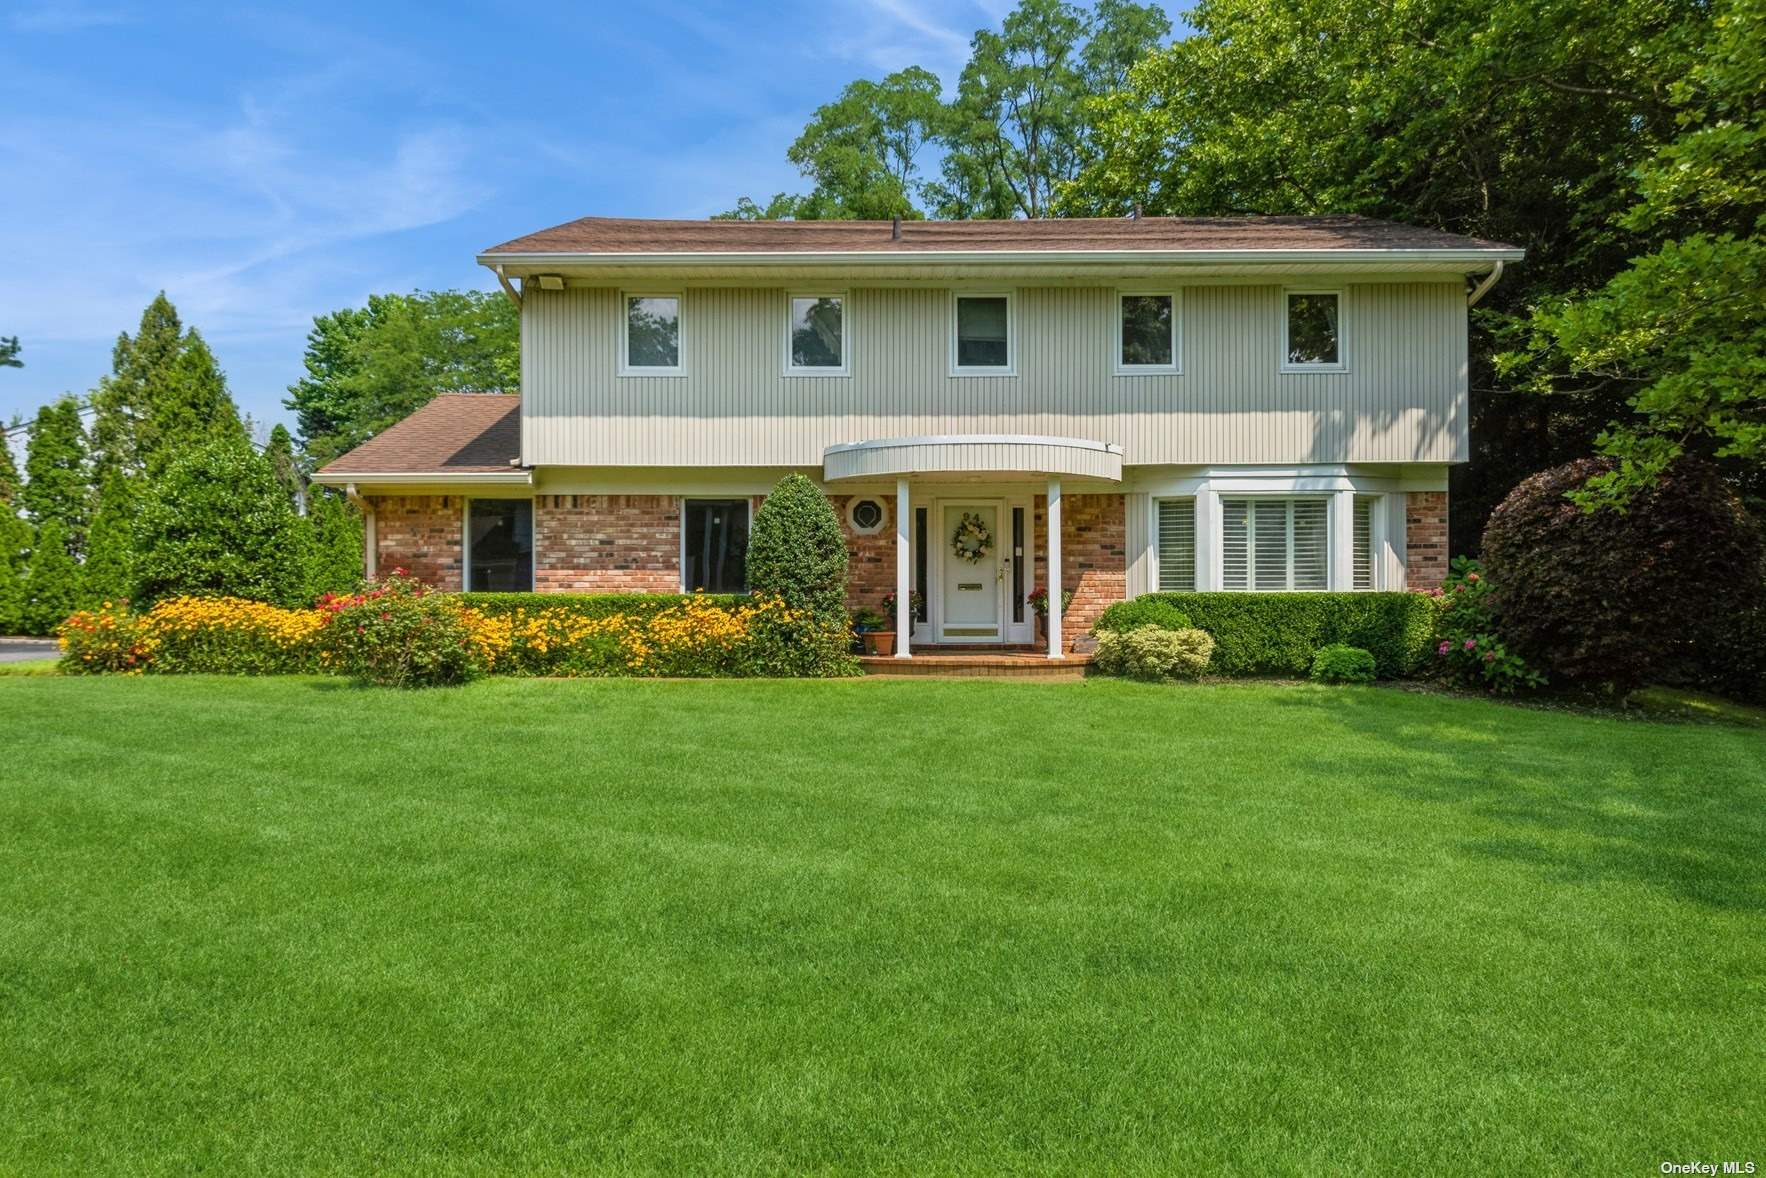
x=970, y=593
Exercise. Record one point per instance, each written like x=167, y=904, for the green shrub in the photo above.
x=218, y=522
x=1150, y=610
x=592, y=605
x=1656, y=593
x=1276, y=633
x=1468, y=649
x=1342, y=663
x=797, y=550
x=1154, y=653
x=398, y=634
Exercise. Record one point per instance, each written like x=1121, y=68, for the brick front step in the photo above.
x=994, y=663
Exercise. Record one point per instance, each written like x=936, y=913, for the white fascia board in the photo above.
x=514, y=478
x=1273, y=257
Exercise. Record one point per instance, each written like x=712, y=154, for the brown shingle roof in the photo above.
x=465, y=433
x=623, y=235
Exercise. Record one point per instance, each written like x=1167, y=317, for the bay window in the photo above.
x=1271, y=545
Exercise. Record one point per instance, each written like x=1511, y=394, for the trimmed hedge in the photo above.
x=593, y=605
x=1277, y=633
x=1119, y=617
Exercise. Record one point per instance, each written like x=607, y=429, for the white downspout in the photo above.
x=515, y=295
x=368, y=545
x=1483, y=288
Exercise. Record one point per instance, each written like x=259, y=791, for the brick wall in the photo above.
x=1094, y=556
x=870, y=569
x=607, y=543
x=1425, y=539
x=420, y=534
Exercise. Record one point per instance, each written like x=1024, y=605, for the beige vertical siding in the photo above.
x=1403, y=400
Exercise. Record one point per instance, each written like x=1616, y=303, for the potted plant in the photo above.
x=868, y=624
x=1038, y=599
x=916, y=606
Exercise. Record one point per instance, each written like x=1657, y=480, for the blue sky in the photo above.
x=267, y=164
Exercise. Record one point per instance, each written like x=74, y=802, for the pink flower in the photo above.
x=1474, y=578
x=1471, y=644
x=1490, y=656
x=1444, y=648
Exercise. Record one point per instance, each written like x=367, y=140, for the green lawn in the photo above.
x=291, y=925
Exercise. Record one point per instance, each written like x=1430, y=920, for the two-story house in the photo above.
x=1102, y=406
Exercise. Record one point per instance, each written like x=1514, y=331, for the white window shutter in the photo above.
x=1177, y=545
x=1312, y=553
x=1235, y=544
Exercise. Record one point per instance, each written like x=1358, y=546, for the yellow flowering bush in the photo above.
x=216, y=635
x=397, y=632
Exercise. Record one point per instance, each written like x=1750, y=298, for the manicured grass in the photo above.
x=28, y=667
x=290, y=925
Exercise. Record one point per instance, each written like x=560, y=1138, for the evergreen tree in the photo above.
x=58, y=475
x=797, y=550
x=15, y=542
x=9, y=351
x=108, y=574
x=165, y=393
x=217, y=521
x=279, y=453
x=336, y=548
x=52, y=580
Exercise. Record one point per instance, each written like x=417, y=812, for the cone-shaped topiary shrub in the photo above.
x=1654, y=593
x=797, y=551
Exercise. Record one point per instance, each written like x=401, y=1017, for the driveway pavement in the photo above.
x=18, y=650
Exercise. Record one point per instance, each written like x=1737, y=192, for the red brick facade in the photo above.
x=1425, y=539
x=420, y=534
x=1094, y=557
x=607, y=543
x=870, y=570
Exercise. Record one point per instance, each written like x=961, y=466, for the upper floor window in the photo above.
x=1274, y=545
x=981, y=343
x=651, y=343
x=1147, y=341
x=816, y=345
x=1312, y=331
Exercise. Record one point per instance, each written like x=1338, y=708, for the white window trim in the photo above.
x=845, y=368
x=1155, y=503
x=1341, y=295
x=1175, y=368
x=626, y=368
x=681, y=502
x=1011, y=365
x=852, y=504
x=533, y=520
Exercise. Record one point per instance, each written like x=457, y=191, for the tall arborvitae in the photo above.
x=336, y=564
x=15, y=543
x=51, y=582
x=279, y=453
x=108, y=574
x=58, y=475
x=165, y=394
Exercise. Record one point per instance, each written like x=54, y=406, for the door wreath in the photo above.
x=972, y=540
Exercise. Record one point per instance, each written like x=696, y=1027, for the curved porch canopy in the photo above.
x=1020, y=454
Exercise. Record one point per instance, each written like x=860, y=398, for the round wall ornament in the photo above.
x=972, y=540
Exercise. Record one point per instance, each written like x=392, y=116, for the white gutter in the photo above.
x=1483, y=287
x=1269, y=257
x=513, y=478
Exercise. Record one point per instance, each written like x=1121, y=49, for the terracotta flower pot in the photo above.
x=879, y=641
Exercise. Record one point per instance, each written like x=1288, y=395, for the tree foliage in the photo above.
x=368, y=367
x=335, y=564
x=217, y=521
x=1679, y=335
x=165, y=393
x=9, y=350
x=58, y=477
x=1016, y=129
x=108, y=571
x=51, y=587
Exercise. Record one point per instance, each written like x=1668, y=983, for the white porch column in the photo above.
x=1342, y=539
x=904, y=578
x=1054, y=566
